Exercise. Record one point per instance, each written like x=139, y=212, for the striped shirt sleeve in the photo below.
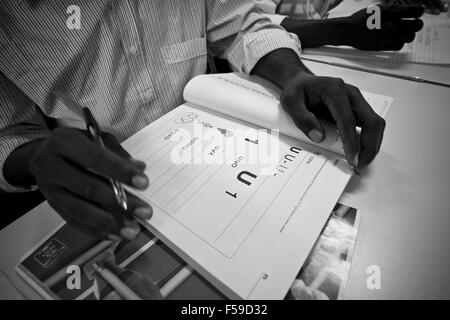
x=238, y=33
x=19, y=124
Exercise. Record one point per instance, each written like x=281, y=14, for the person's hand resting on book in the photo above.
x=399, y=25
x=72, y=173
x=307, y=98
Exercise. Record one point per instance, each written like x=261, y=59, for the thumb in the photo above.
x=304, y=119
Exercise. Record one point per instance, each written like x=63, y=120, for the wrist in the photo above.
x=280, y=66
x=294, y=72
x=316, y=33
x=342, y=34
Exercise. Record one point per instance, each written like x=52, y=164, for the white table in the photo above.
x=404, y=197
x=427, y=72
x=405, y=194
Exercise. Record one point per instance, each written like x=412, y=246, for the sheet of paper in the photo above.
x=245, y=224
x=431, y=44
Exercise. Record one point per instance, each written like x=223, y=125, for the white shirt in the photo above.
x=128, y=63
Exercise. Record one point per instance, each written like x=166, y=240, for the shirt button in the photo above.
x=132, y=49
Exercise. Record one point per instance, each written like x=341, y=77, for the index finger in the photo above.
x=79, y=149
x=341, y=110
x=372, y=127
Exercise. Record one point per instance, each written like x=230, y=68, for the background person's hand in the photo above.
x=308, y=97
x=72, y=172
x=431, y=6
x=399, y=25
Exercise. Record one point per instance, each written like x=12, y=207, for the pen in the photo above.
x=95, y=134
x=399, y=76
x=122, y=289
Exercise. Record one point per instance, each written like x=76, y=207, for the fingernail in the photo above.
x=129, y=233
x=143, y=212
x=138, y=163
x=360, y=171
x=356, y=161
x=113, y=237
x=140, y=181
x=315, y=135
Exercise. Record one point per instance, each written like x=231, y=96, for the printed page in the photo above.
x=242, y=205
x=256, y=101
x=431, y=44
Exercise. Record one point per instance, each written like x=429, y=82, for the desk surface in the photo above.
x=427, y=72
x=404, y=198
x=404, y=195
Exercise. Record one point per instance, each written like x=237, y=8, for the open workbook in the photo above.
x=237, y=190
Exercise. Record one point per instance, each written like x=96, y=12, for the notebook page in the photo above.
x=246, y=225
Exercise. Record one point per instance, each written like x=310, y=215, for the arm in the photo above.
x=68, y=168
x=20, y=129
x=308, y=98
x=238, y=33
x=398, y=26
x=252, y=44
x=317, y=33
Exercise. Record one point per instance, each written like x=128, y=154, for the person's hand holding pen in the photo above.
x=74, y=173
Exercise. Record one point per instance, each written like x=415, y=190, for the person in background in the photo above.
x=399, y=23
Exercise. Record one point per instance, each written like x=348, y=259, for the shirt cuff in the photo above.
x=7, y=145
x=258, y=44
x=275, y=18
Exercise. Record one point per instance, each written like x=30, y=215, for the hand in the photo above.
x=434, y=6
x=72, y=172
x=431, y=6
x=305, y=97
x=397, y=28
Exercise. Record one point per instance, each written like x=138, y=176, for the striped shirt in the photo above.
x=128, y=62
